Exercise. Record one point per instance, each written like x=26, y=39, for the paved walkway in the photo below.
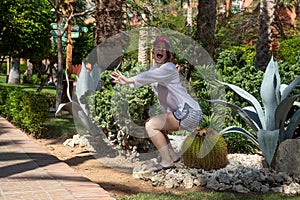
x=29, y=172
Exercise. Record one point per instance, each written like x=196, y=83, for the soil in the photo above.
x=117, y=182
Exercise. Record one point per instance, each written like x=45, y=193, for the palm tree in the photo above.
x=206, y=24
x=267, y=8
x=109, y=18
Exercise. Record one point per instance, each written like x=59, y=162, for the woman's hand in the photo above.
x=119, y=78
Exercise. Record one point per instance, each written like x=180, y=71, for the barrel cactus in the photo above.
x=204, y=149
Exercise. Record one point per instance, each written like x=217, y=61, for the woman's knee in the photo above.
x=150, y=127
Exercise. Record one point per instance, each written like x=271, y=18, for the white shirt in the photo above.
x=165, y=81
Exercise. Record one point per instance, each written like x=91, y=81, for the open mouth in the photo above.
x=159, y=56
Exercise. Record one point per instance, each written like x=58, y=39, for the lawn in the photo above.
x=210, y=196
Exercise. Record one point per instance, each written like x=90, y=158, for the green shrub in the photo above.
x=289, y=50
x=27, y=110
x=120, y=109
x=4, y=91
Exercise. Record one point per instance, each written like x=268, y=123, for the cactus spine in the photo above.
x=204, y=149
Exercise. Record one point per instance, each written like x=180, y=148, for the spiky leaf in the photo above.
x=236, y=129
x=268, y=141
x=287, y=90
x=270, y=93
x=282, y=113
x=238, y=110
x=295, y=120
x=251, y=112
x=250, y=98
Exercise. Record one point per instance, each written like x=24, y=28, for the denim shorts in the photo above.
x=189, y=119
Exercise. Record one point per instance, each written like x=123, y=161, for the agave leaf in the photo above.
x=290, y=88
x=295, y=120
x=282, y=88
x=270, y=93
x=282, y=112
x=296, y=103
x=84, y=84
x=251, y=112
x=250, y=98
x=66, y=106
x=95, y=75
x=236, y=129
x=240, y=111
x=268, y=141
x=68, y=87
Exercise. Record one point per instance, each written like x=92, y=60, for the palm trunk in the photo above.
x=267, y=8
x=143, y=49
x=189, y=17
x=59, y=58
x=69, y=49
x=206, y=24
x=109, y=19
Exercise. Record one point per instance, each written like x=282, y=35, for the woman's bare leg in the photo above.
x=172, y=153
x=154, y=126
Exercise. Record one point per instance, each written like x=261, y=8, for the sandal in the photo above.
x=159, y=167
x=177, y=160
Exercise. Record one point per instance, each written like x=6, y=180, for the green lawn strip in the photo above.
x=210, y=196
x=60, y=126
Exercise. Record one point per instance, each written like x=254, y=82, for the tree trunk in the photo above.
x=143, y=53
x=14, y=73
x=267, y=8
x=189, y=17
x=59, y=58
x=206, y=24
x=69, y=49
x=109, y=19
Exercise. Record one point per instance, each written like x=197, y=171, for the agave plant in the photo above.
x=86, y=82
x=270, y=121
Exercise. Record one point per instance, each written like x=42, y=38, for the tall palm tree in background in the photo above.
x=206, y=24
x=109, y=18
x=267, y=8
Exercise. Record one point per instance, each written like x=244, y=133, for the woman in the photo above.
x=180, y=110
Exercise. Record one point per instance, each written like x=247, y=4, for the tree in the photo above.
x=267, y=8
x=109, y=17
x=206, y=24
x=65, y=13
x=24, y=31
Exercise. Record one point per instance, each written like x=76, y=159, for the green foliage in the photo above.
x=270, y=122
x=204, y=89
x=289, y=50
x=25, y=27
x=170, y=16
x=238, y=143
x=26, y=109
x=122, y=109
x=233, y=66
x=204, y=149
x=236, y=29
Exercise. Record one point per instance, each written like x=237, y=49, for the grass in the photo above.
x=210, y=196
x=28, y=87
x=59, y=127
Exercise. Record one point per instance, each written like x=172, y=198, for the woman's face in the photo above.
x=160, y=53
